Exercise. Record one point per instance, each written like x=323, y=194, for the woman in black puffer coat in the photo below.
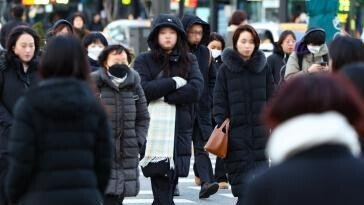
x=119, y=89
x=169, y=71
x=60, y=140
x=243, y=86
x=18, y=73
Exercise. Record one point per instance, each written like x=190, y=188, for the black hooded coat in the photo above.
x=184, y=97
x=208, y=70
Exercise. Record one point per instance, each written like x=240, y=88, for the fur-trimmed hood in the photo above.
x=307, y=131
x=235, y=63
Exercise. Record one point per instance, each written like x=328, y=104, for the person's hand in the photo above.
x=315, y=68
x=180, y=82
x=326, y=68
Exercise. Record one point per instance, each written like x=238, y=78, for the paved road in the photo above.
x=189, y=193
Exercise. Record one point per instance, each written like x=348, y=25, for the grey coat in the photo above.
x=127, y=110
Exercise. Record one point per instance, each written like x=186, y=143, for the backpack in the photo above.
x=282, y=71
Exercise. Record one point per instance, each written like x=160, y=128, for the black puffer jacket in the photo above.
x=208, y=71
x=13, y=83
x=184, y=97
x=59, y=146
x=127, y=109
x=242, y=88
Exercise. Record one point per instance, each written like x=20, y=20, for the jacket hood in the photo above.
x=301, y=46
x=62, y=98
x=56, y=24
x=301, y=49
x=165, y=20
x=188, y=20
x=235, y=63
x=307, y=131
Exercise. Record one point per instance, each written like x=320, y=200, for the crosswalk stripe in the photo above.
x=149, y=201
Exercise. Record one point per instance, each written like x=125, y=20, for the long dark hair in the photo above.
x=163, y=58
x=344, y=50
x=64, y=57
x=14, y=36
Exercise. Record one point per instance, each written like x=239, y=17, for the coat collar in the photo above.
x=104, y=77
x=308, y=131
x=236, y=64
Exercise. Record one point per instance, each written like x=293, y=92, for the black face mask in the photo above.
x=119, y=70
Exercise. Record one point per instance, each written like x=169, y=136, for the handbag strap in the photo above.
x=226, y=125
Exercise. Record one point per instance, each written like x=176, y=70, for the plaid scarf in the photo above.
x=160, y=139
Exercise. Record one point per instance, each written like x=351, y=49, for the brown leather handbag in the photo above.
x=218, y=141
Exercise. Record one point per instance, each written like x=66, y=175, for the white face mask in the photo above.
x=314, y=49
x=94, y=53
x=215, y=53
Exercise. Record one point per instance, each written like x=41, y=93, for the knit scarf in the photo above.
x=160, y=139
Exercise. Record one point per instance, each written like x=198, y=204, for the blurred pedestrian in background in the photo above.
x=60, y=142
x=344, y=50
x=238, y=18
x=171, y=79
x=60, y=27
x=355, y=73
x=96, y=24
x=216, y=46
x=18, y=66
x=119, y=89
x=244, y=84
x=310, y=55
x=281, y=52
x=78, y=21
x=17, y=13
x=94, y=43
x=198, y=33
x=314, y=146
x=266, y=42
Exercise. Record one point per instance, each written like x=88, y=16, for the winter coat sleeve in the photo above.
x=212, y=79
x=142, y=115
x=153, y=88
x=103, y=152
x=274, y=67
x=271, y=86
x=191, y=92
x=220, y=101
x=21, y=152
x=292, y=67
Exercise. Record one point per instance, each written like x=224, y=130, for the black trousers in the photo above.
x=3, y=171
x=162, y=188
x=202, y=166
x=220, y=172
x=113, y=200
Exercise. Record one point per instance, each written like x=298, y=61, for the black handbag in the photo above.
x=157, y=169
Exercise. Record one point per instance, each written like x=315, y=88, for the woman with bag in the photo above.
x=172, y=83
x=243, y=85
x=119, y=89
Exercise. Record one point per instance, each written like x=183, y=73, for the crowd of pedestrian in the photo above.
x=78, y=117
